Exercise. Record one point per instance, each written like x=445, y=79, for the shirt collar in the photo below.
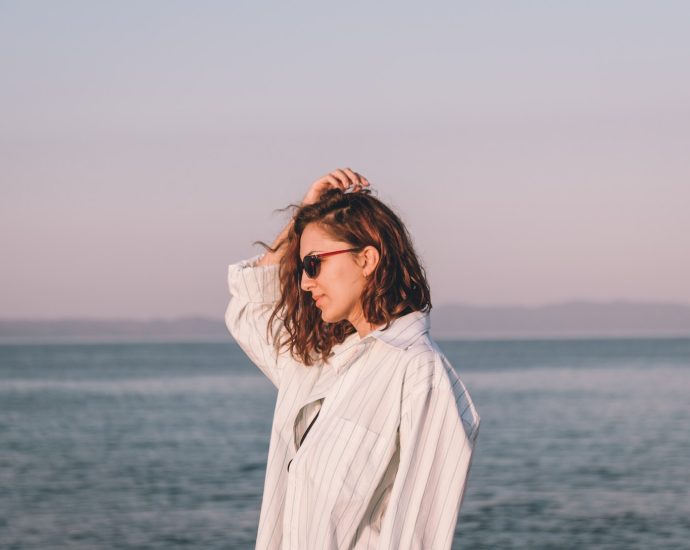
x=403, y=331
x=401, y=334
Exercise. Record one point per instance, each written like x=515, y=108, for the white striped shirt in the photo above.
x=385, y=464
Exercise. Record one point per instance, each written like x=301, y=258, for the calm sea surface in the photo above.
x=583, y=444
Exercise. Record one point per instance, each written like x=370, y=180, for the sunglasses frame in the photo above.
x=315, y=259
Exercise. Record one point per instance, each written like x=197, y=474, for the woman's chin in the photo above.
x=329, y=318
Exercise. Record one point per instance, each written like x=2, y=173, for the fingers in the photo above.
x=347, y=178
x=333, y=180
x=358, y=181
x=343, y=179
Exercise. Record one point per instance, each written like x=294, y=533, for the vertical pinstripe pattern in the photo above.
x=385, y=464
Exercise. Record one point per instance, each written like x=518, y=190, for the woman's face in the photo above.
x=341, y=278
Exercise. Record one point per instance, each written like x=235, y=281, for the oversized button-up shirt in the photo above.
x=385, y=465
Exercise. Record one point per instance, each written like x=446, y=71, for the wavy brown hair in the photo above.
x=396, y=287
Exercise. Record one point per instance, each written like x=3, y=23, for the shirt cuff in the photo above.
x=252, y=282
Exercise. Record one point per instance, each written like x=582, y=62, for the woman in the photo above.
x=336, y=315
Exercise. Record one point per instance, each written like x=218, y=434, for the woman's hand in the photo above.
x=343, y=178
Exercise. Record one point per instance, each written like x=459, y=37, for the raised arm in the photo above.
x=254, y=291
x=255, y=288
x=273, y=258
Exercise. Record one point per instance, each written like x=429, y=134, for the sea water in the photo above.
x=583, y=444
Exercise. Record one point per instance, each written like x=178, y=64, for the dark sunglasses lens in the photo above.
x=311, y=265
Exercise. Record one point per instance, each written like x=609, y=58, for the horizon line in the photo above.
x=200, y=316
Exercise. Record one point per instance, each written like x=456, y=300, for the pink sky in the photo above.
x=537, y=153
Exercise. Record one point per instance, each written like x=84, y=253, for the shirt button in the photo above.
x=288, y=466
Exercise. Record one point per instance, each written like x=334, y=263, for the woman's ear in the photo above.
x=371, y=259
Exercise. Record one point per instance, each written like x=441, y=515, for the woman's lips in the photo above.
x=316, y=300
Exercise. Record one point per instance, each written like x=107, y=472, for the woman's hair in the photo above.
x=397, y=285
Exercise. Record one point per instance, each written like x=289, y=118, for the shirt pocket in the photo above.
x=346, y=461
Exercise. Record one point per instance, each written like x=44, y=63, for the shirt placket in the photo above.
x=341, y=366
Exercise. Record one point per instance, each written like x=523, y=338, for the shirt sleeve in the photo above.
x=254, y=291
x=438, y=430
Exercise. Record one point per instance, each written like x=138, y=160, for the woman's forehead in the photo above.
x=315, y=239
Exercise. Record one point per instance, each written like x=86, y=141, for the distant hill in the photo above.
x=570, y=319
x=192, y=329
x=567, y=320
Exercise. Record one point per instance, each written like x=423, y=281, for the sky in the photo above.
x=537, y=151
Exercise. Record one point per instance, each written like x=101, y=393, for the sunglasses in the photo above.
x=311, y=264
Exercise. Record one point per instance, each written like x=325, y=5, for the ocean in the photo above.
x=583, y=444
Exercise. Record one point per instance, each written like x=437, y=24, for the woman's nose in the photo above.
x=305, y=282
